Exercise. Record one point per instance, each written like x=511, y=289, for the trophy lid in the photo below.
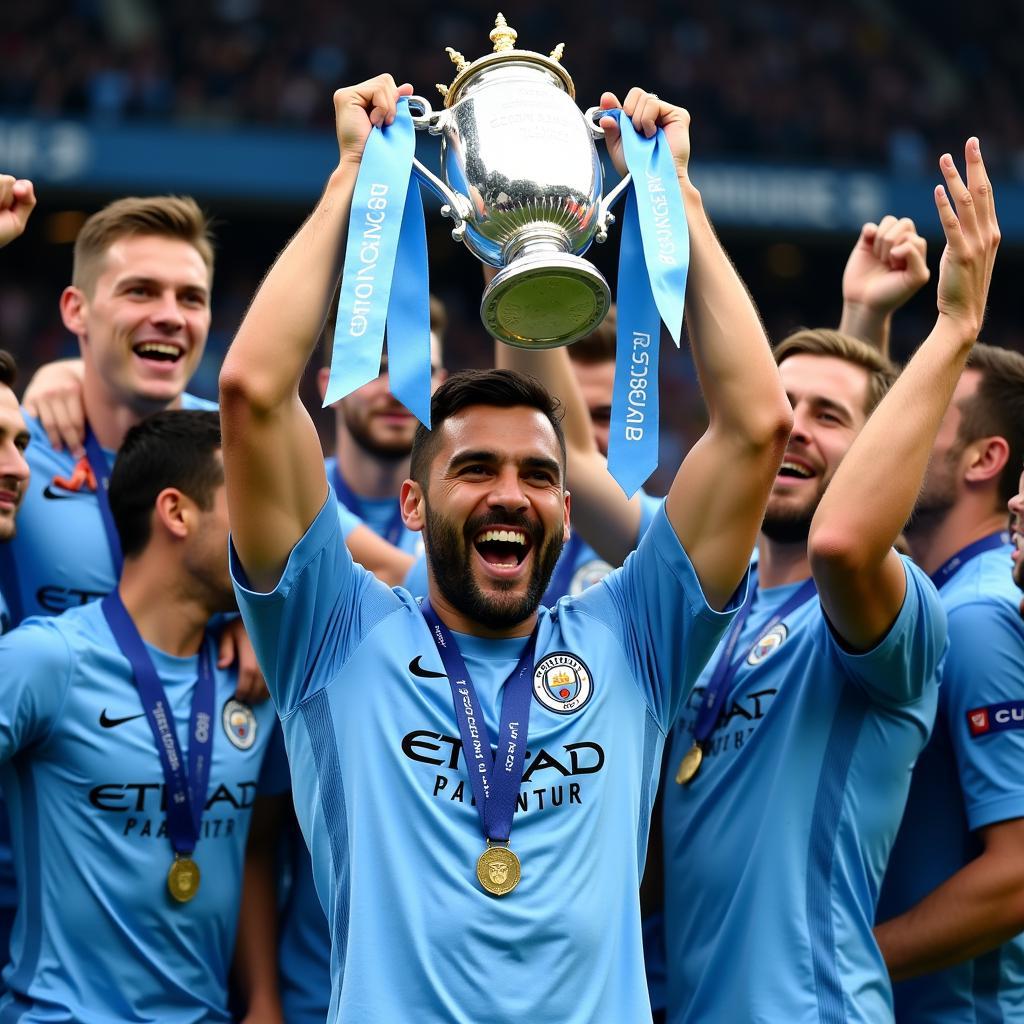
x=504, y=38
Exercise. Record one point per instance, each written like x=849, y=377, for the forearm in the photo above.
x=876, y=485
x=730, y=350
x=282, y=326
x=974, y=911
x=255, y=962
x=868, y=324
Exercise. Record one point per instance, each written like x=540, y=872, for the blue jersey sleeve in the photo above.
x=347, y=520
x=649, y=505
x=982, y=695
x=416, y=580
x=304, y=629
x=35, y=674
x=903, y=666
x=657, y=608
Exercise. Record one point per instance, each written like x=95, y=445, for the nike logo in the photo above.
x=56, y=495
x=109, y=723
x=424, y=673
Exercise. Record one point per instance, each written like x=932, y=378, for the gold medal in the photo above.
x=498, y=870
x=690, y=765
x=183, y=879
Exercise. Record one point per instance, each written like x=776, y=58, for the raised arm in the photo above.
x=886, y=268
x=273, y=463
x=717, y=500
x=860, y=579
x=17, y=201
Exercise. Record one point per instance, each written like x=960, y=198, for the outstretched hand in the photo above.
x=886, y=267
x=972, y=238
x=17, y=201
x=648, y=113
x=359, y=108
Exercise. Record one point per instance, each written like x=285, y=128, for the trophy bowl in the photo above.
x=523, y=181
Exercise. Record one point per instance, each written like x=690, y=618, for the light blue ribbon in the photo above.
x=654, y=256
x=386, y=230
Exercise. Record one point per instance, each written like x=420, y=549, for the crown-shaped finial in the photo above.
x=457, y=59
x=502, y=35
x=556, y=53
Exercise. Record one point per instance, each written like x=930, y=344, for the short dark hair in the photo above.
x=168, y=449
x=996, y=409
x=502, y=389
x=8, y=368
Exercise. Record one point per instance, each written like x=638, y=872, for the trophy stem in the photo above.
x=535, y=240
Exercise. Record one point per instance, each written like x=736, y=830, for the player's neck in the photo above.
x=369, y=475
x=779, y=564
x=933, y=542
x=458, y=622
x=109, y=417
x=168, y=613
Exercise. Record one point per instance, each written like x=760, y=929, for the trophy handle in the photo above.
x=605, y=217
x=428, y=119
x=454, y=204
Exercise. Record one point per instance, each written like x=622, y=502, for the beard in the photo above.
x=450, y=551
x=938, y=495
x=391, y=450
x=790, y=524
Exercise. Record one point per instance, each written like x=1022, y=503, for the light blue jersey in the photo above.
x=384, y=804
x=59, y=558
x=579, y=565
x=97, y=937
x=8, y=883
x=774, y=853
x=969, y=776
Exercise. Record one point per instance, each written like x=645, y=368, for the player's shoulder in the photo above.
x=43, y=459
x=984, y=583
x=195, y=403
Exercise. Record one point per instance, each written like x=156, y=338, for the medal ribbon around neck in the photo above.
x=100, y=467
x=386, y=231
x=720, y=684
x=561, y=578
x=953, y=565
x=352, y=501
x=494, y=779
x=654, y=257
x=186, y=789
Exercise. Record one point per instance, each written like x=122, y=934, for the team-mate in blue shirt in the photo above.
x=793, y=757
x=952, y=907
x=379, y=765
x=113, y=921
x=17, y=200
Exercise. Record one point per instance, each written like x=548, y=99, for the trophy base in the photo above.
x=544, y=300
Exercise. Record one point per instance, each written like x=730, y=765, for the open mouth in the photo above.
x=794, y=471
x=158, y=351
x=503, y=548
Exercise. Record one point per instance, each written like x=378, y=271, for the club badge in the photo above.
x=239, y=723
x=587, y=575
x=562, y=683
x=768, y=644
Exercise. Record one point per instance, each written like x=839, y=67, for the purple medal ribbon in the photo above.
x=952, y=566
x=561, y=578
x=725, y=669
x=185, y=790
x=97, y=459
x=494, y=779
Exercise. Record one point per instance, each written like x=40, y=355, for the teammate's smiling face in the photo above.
x=143, y=328
x=13, y=467
x=829, y=398
x=496, y=513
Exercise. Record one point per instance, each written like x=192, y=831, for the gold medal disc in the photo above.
x=498, y=870
x=690, y=765
x=183, y=879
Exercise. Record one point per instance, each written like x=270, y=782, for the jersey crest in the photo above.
x=239, y=723
x=768, y=644
x=562, y=683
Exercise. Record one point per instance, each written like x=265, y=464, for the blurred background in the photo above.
x=808, y=119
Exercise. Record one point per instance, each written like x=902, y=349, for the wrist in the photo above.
x=864, y=321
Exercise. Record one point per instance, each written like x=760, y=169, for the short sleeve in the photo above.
x=983, y=697
x=304, y=630
x=35, y=675
x=649, y=505
x=657, y=608
x=904, y=665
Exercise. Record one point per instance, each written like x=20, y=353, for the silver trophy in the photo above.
x=523, y=183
